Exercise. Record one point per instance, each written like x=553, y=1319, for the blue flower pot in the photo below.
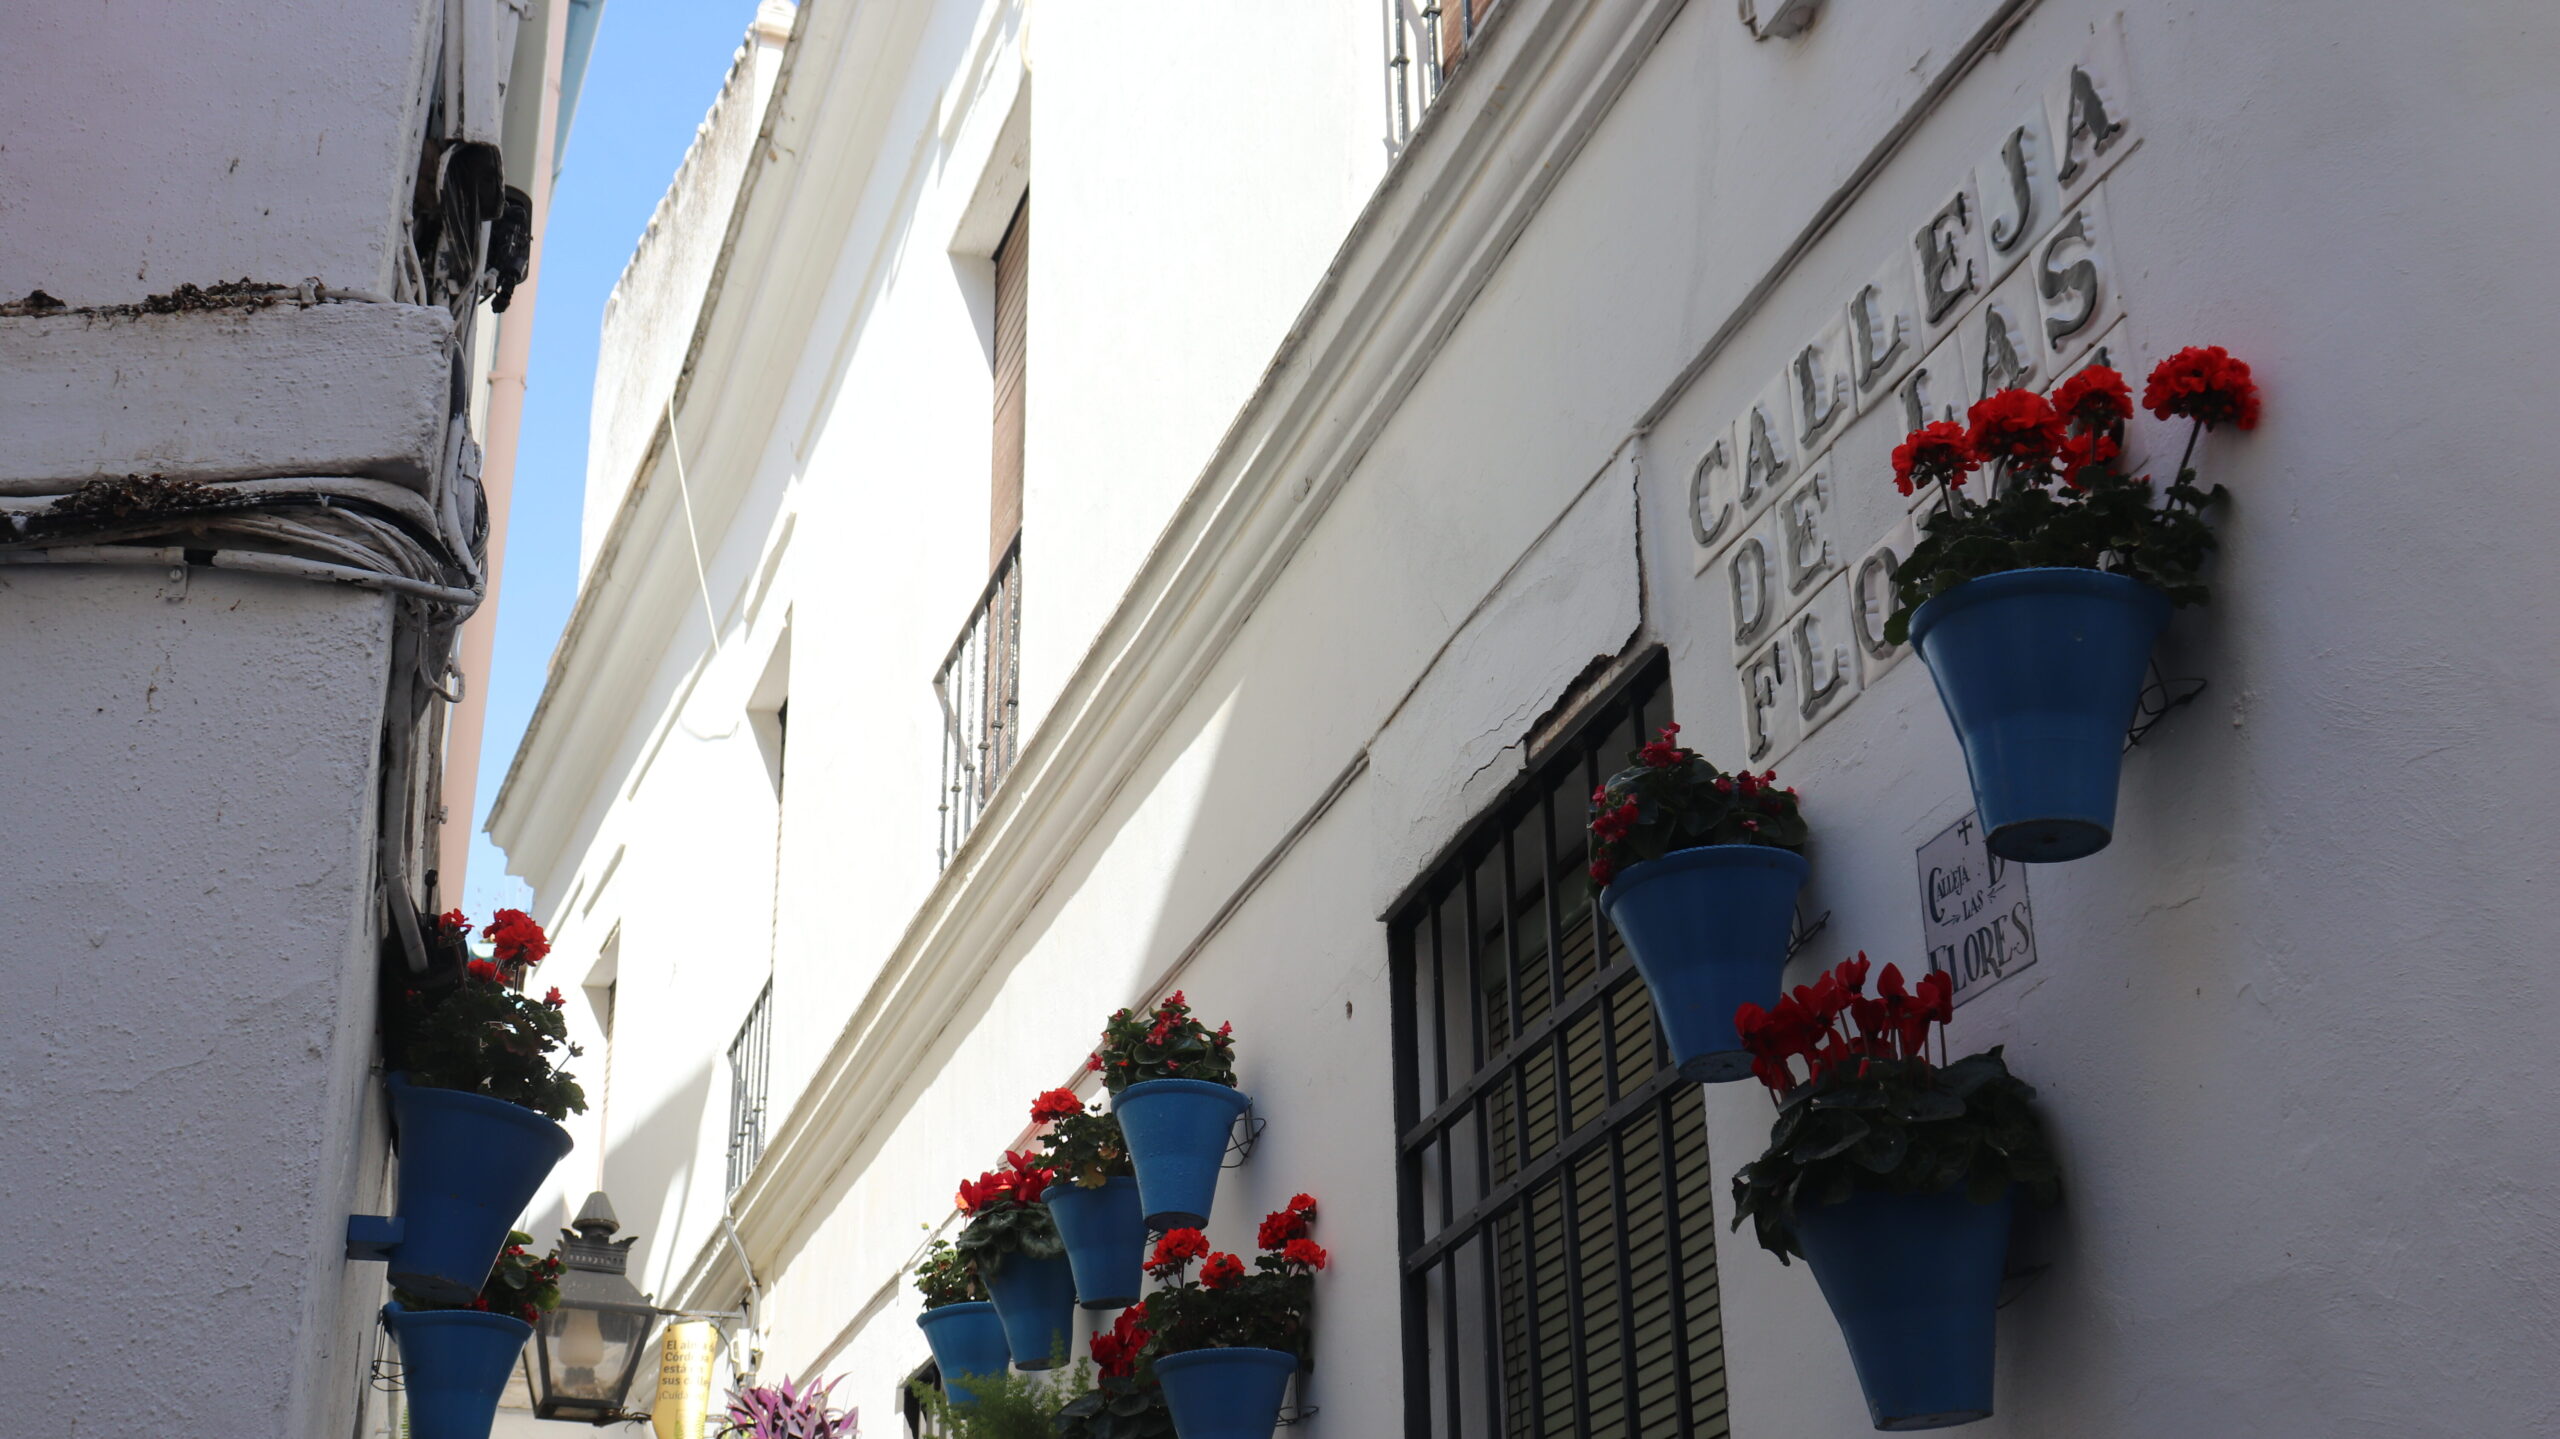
x=468, y=1166
x=966, y=1339
x=1036, y=1299
x=454, y=1364
x=1106, y=1234
x=1177, y=1131
x=2040, y=671
x=1225, y=1393
x=1913, y=1280
x=1708, y=928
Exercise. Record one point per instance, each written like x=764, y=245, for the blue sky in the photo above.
x=656, y=67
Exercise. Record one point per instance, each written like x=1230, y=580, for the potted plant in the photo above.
x=788, y=1411
x=1094, y=1200
x=1698, y=870
x=959, y=1322
x=2036, y=607
x=1173, y=1089
x=476, y=1097
x=1125, y=1401
x=1013, y=1244
x=455, y=1358
x=1895, y=1179
x=1225, y=1345
x=1009, y=1406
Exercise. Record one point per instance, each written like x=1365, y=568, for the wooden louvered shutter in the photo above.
x=1013, y=313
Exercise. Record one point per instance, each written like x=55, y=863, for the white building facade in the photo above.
x=260, y=414
x=1126, y=505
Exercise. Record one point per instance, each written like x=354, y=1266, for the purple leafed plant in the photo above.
x=786, y=1411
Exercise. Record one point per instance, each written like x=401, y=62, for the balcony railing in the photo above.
x=750, y=1070
x=1426, y=39
x=980, y=686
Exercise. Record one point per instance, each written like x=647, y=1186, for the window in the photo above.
x=1013, y=333
x=1425, y=41
x=750, y=1065
x=1554, y=1197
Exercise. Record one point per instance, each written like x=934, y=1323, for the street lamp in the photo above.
x=586, y=1351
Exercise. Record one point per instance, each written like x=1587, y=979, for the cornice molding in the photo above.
x=1544, y=76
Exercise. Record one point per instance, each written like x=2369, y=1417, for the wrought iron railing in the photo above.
x=750, y=1069
x=1426, y=40
x=980, y=687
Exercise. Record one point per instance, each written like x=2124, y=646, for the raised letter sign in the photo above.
x=1946, y=271
x=1973, y=910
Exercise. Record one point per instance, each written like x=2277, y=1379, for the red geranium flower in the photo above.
x=1279, y=1227
x=1116, y=1352
x=1056, y=1104
x=2094, y=399
x=1177, y=1248
x=2082, y=453
x=2014, y=425
x=553, y=998
x=1933, y=454
x=519, y=940
x=483, y=969
x=1223, y=1270
x=452, y=919
x=2204, y=384
x=1306, y=1252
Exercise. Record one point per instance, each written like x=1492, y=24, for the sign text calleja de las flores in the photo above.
x=2009, y=281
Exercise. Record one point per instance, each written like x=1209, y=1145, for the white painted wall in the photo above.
x=2302, y=1200
x=187, y=779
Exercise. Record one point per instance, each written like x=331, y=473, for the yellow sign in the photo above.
x=684, y=1379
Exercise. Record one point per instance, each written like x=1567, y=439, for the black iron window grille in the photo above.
x=980, y=687
x=1426, y=40
x=1554, y=1211
x=750, y=1068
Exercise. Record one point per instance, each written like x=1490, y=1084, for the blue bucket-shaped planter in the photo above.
x=454, y=1364
x=1036, y=1299
x=1225, y=1393
x=1177, y=1131
x=468, y=1166
x=1913, y=1280
x=1708, y=928
x=2040, y=671
x=966, y=1339
x=1105, y=1230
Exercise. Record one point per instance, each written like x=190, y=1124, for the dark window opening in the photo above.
x=1555, y=1217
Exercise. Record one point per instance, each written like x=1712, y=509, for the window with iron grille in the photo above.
x=1426, y=40
x=1555, y=1216
x=750, y=1065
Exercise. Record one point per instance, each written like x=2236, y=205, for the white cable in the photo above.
x=684, y=493
x=175, y=556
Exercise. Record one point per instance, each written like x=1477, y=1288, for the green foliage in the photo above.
x=1007, y=1227
x=945, y=1276
x=1900, y=1125
x=1117, y=1407
x=1086, y=1148
x=1166, y=1044
x=521, y=1285
x=1009, y=1405
x=2110, y=525
x=487, y=1038
x=1671, y=799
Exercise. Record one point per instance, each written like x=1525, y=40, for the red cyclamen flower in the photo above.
x=1934, y=454
x=2015, y=425
x=1056, y=1104
x=2093, y=399
x=2203, y=383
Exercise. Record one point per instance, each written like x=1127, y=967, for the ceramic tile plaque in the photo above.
x=1973, y=911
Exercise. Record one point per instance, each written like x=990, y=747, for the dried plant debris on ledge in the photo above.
x=241, y=294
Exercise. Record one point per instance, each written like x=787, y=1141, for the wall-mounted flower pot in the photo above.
x=1036, y=1299
x=1225, y=1393
x=1913, y=1280
x=454, y=1364
x=1177, y=1131
x=966, y=1339
x=1105, y=1230
x=1708, y=928
x=2040, y=671
x=468, y=1166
